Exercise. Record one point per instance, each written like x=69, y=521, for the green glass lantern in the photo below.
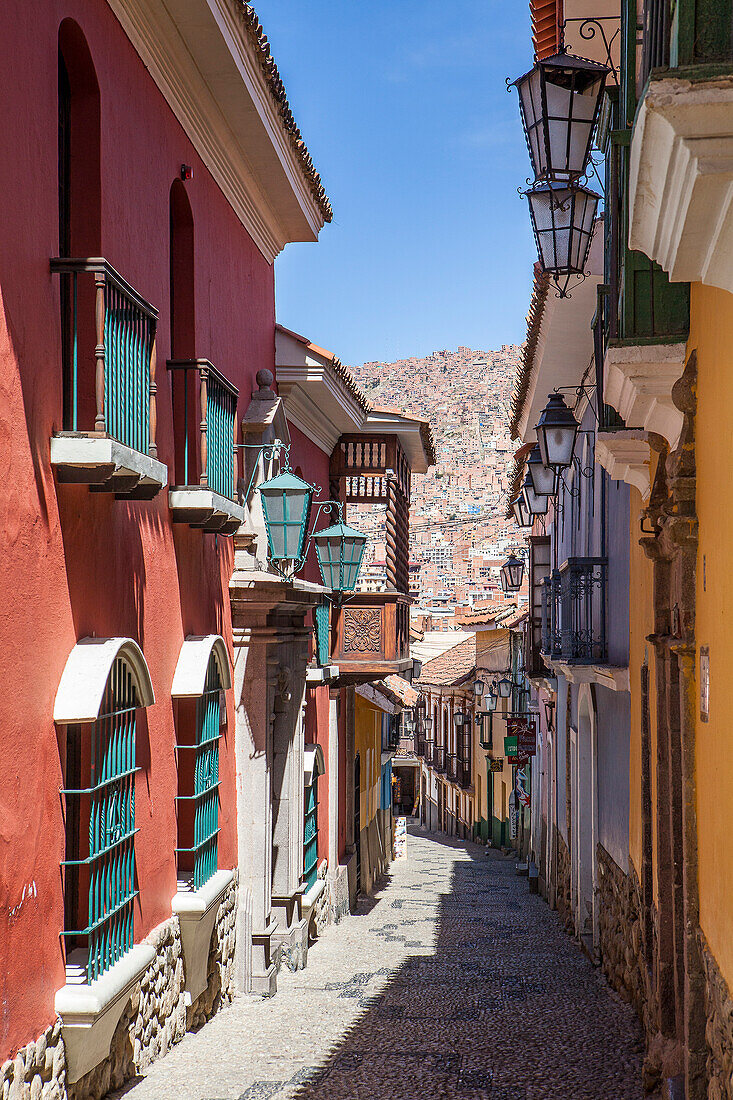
x=286, y=503
x=339, y=550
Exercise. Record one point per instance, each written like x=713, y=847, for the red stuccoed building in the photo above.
x=177, y=803
x=152, y=173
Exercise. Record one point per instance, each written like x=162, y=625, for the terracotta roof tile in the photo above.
x=456, y=664
x=272, y=78
x=535, y=314
x=545, y=18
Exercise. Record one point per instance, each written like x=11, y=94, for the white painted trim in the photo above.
x=625, y=455
x=638, y=381
x=314, y=763
x=323, y=674
x=200, y=58
x=197, y=911
x=192, y=498
x=613, y=677
x=86, y=672
x=90, y=1012
x=681, y=180
x=189, y=679
x=84, y=451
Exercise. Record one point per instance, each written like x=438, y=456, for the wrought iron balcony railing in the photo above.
x=439, y=758
x=207, y=417
x=574, y=612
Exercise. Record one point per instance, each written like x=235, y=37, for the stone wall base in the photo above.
x=155, y=1017
x=38, y=1069
x=220, y=985
x=338, y=889
x=562, y=884
x=620, y=930
x=718, y=1027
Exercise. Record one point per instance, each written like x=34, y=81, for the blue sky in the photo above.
x=403, y=106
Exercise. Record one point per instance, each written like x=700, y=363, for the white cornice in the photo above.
x=681, y=180
x=199, y=58
x=638, y=381
x=625, y=456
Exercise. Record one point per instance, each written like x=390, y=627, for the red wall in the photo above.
x=74, y=563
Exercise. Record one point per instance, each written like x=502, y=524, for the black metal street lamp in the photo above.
x=537, y=503
x=458, y=719
x=504, y=688
x=550, y=714
x=520, y=511
x=478, y=687
x=512, y=574
x=562, y=219
x=491, y=700
x=559, y=101
x=544, y=478
x=556, y=430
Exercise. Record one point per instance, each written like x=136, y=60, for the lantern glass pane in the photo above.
x=490, y=701
x=530, y=103
x=536, y=504
x=543, y=478
x=571, y=111
x=563, y=219
x=285, y=506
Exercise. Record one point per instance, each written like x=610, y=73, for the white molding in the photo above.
x=189, y=679
x=625, y=455
x=102, y=458
x=86, y=672
x=197, y=911
x=613, y=677
x=199, y=56
x=638, y=381
x=90, y=1012
x=681, y=180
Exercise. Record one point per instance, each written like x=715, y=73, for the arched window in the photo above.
x=80, y=208
x=202, y=675
x=104, y=683
x=313, y=767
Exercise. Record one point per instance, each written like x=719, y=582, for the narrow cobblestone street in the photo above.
x=453, y=982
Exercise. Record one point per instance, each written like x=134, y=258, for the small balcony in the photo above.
x=108, y=351
x=204, y=415
x=453, y=769
x=574, y=612
x=439, y=758
x=371, y=634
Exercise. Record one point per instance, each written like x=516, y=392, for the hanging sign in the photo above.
x=513, y=816
x=497, y=765
x=521, y=787
x=524, y=730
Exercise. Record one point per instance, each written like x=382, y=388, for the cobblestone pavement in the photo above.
x=453, y=982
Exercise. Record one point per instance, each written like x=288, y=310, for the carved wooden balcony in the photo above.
x=371, y=632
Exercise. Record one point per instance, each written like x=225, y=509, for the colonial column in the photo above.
x=253, y=659
x=291, y=935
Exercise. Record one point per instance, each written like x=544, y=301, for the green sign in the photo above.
x=510, y=746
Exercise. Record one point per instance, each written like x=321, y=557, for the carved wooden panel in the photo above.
x=362, y=629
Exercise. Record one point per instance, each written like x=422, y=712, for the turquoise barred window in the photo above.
x=99, y=868
x=310, y=833
x=198, y=807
